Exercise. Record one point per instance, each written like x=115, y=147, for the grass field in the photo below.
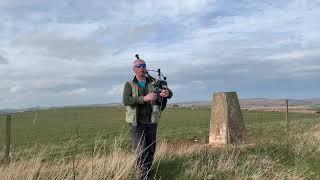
x=182, y=128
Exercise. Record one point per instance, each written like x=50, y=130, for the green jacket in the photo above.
x=137, y=110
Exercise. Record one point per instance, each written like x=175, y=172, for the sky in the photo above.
x=72, y=52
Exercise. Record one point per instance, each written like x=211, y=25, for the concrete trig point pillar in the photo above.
x=226, y=125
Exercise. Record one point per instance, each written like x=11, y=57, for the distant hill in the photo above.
x=244, y=103
x=261, y=102
x=279, y=102
x=7, y=111
x=313, y=101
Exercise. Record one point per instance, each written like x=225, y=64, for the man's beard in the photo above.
x=142, y=75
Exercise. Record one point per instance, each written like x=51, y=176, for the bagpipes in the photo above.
x=159, y=84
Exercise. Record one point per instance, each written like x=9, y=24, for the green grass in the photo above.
x=58, y=126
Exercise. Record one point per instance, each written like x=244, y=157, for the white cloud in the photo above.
x=15, y=89
x=295, y=55
x=79, y=91
x=3, y=60
x=69, y=44
x=15, y=3
x=149, y=11
x=115, y=90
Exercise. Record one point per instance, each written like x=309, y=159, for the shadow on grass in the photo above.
x=169, y=168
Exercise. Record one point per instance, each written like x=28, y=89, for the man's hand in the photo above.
x=164, y=93
x=150, y=97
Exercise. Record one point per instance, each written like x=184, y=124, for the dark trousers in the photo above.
x=144, y=138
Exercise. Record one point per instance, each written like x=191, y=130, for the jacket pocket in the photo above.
x=155, y=117
x=131, y=114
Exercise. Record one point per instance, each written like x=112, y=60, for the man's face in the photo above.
x=139, y=68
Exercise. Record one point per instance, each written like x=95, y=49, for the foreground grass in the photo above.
x=290, y=160
x=116, y=164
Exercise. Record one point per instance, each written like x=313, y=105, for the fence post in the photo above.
x=8, y=138
x=287, y=117
x=35, y=118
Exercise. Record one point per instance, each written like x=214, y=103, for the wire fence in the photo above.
x=57, y=127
